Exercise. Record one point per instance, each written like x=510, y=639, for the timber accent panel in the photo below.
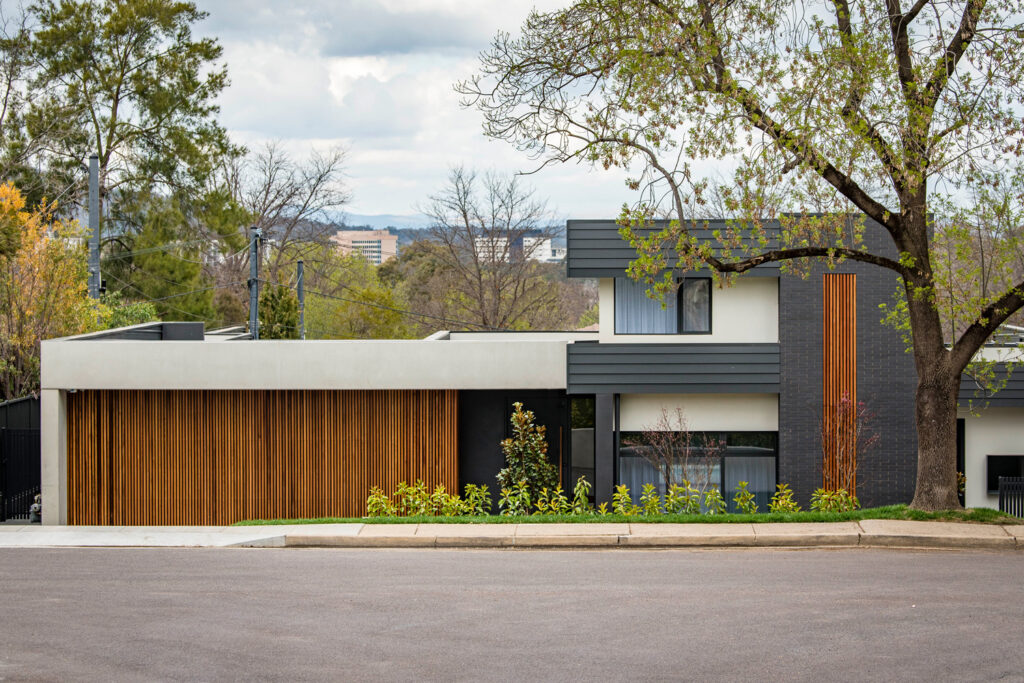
x=839, y=409
x=218, y=457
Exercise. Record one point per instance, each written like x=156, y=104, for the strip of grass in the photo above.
x=973, y=515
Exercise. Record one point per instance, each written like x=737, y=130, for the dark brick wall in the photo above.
x=886, y=381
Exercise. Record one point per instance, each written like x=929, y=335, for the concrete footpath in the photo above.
x=868, y=533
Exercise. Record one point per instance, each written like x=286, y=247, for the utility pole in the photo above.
x=94, y=227
x=254, y=282
x=302, y=300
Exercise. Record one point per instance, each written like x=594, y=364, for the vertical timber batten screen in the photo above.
x=839, y=405
x=217, y=457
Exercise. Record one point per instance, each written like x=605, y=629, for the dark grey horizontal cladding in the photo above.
x=596, y=249
x=682, y=368
x=164, y=331
x=1012, y=394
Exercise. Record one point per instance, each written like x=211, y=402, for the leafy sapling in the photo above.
x=744, y=499
x=783, y=501
x=714, y=504
x=650, y=501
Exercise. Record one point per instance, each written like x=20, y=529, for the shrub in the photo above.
x=682, y=499
x=744, y=499
x=713, y=501
x=581, y=497
x=552, y=502
x=515, y=500
x=378, y=504
x=838, y=500
x=650, y=501
x=783, y=501
x=447, y=504
x=413, y=500
x=478, y=500
x=622, y=502
x=416, y=500
x=602, y=509
x=526, y=460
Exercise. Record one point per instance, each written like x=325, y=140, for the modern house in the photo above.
x=167, y=424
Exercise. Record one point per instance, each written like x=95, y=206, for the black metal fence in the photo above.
x=1011, y=495
x=19, y=457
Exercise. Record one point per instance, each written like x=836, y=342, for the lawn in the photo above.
x=973, y=515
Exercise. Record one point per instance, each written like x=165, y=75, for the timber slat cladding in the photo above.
x=838, y=426
x=217, y=457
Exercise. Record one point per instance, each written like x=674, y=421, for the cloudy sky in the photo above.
x=376, y=76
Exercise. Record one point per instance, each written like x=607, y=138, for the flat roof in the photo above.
x=128, y=358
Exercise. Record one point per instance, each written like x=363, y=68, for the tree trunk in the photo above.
x=936, y=443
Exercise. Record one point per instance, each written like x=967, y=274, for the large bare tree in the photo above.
x=293, y=202
x=490, y=229
x=891, y=110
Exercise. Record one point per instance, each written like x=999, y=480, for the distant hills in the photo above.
x=384, y=220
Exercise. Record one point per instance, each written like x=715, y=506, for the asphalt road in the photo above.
x=286, y=614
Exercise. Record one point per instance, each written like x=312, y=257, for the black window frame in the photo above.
x=681, y=282
x=992, y=477
x=680, y=309
x=770, y=450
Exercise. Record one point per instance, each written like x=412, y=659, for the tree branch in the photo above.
x=958, y=45
x=987, y=322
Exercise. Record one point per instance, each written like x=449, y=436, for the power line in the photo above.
x=173, y=296
x=163, y=247
x=386, y=308
x=147, y=301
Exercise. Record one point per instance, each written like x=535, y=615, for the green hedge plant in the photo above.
x=838, y=500
x=650, y=501
x=744, y=499
x=783, y=500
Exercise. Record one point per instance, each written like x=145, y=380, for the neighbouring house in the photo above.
x=376, y=246
x=500, y=247
x=543, y=249
x=166, y=423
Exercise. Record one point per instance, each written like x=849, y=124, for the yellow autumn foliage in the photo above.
x=43, y=292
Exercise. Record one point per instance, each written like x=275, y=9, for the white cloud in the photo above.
x=377, y=76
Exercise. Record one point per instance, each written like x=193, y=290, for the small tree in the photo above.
x=845, y=434
x=279, y=313
x=669, y=444
x=526, y=458
x=43, y=291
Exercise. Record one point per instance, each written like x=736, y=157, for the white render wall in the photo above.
x=315, y=364
x=994, y=431
x=746, y=312
x=703, y=412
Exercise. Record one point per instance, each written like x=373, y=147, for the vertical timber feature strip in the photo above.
x=217, y=457
x=839, y=409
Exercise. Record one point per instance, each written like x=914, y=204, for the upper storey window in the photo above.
x=689, y=312
x=695, y=306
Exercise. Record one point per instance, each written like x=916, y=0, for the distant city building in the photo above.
x=376, y=246
x=536, y=248
x=495, y=248
x=543, y=249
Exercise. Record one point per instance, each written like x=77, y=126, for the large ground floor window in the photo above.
x=742, y=456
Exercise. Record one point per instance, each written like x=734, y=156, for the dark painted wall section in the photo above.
x=484, y=423
x=886, y=382
x=604, y=447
